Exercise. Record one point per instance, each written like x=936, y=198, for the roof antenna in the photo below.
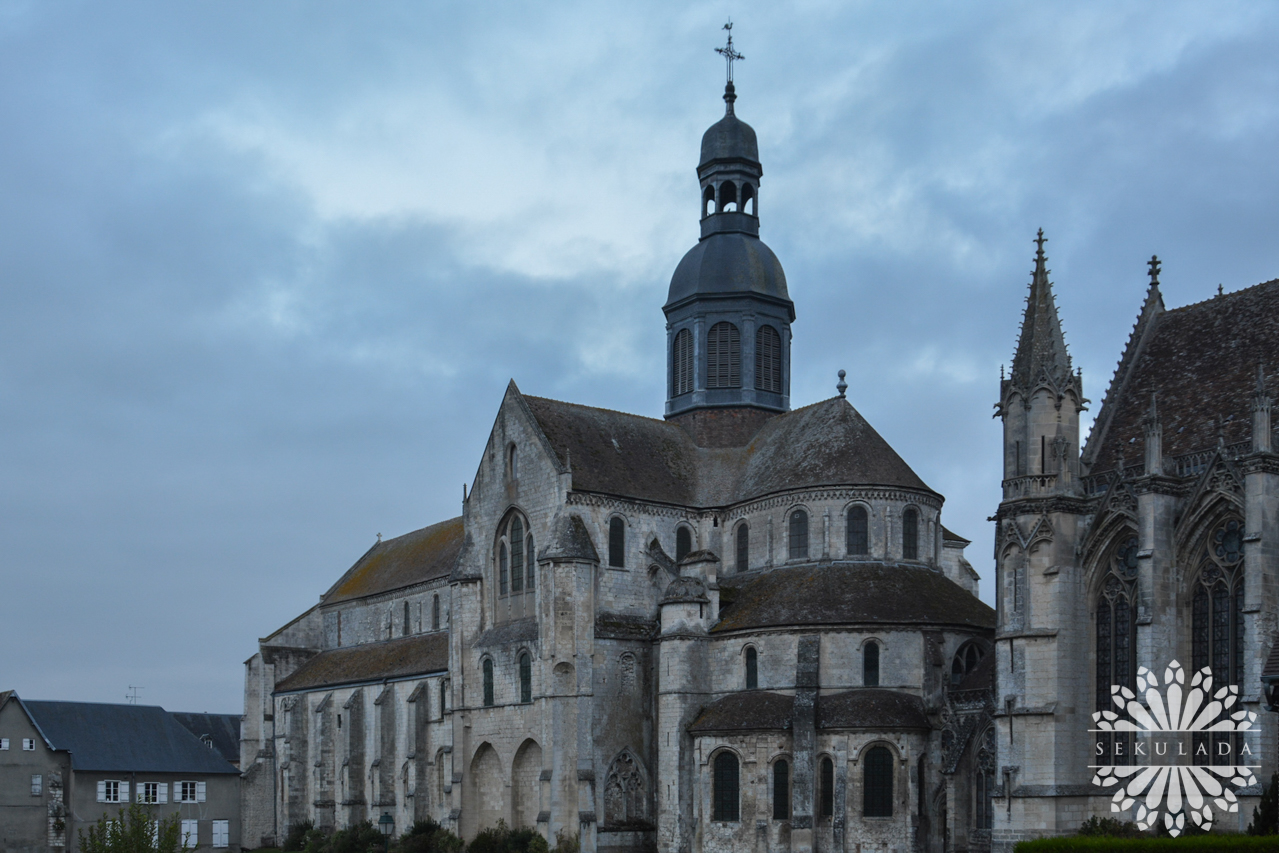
x=132, y=695
x=842, y=386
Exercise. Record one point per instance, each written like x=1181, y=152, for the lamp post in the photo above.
x=386, y=825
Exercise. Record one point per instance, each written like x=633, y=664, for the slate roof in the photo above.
x=399, y=658
x=825, y=444
x=728, y=264
x=124, y=738
x=763, y=710
x=570, y=540
x=223, y=731
x=1201, y=363
x=855, y=593
x=392, y=564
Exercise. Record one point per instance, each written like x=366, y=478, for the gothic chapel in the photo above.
x=744, y=627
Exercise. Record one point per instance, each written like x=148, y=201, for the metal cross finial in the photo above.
x=728, y=52
x=1153, y=263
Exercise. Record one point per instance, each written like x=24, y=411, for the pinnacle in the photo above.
x=1041, y=347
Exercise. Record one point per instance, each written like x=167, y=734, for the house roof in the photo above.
x=855, y=593
x=407, y=656
x=825, y=444
x=1200, y=362
x=866, y=708
x=222, y=730
x=413, y=558
x=124, y=738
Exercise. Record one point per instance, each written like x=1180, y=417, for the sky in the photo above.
x=267, y=268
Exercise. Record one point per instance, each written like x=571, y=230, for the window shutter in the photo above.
x=124, y=792
x=164, y=792
x=199, y=792
x=102, y=792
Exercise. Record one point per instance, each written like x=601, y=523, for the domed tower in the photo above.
x=728, y=313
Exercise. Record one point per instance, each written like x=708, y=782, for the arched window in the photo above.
x=982, y=799
x=966, y=660
x=724, y=797
x=857, y=537
x=511, y=462
x=728, y=197
x=683, y=542
x=781, y=789
x=768, y=360
x=723, y=357
x=910, y=534
x=708, y=202
x=870, y=664
x=877, y=788
x=798, y=535
x=682, y=363
x=488, y=682
x=752, y=668
x=517, y=555
x=1217, y=625
x=1116, y=632
x=443, y=698
x=743, y=547
x=616, y=542
x=526, y=677
x=503, y=570
x=405, y=630
x=826, y=788
x=531, y=564
x=748, y=199
x=435, y=613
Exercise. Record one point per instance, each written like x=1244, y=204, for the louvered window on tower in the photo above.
x=682, y=364
x=723, y=357
x=768, y=360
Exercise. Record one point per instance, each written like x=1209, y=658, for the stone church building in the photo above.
x=744, y=627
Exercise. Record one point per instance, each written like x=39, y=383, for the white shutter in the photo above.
x=199, y=792
x=190, y=833
x=124, y=792
x=221, y=833
x=164, y=792
x=102, y=792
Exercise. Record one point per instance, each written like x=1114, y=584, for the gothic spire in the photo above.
x=1041, y=349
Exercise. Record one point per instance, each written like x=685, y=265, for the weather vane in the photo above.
x=728, y=52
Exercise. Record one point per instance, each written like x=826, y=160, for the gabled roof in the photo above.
x=413, y=558
x=827, y=443
x=407, y=656
x=852, y=593
x=222, y=731
x=1200, y=363
x=124, y=738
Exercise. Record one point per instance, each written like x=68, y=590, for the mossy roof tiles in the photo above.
x=400, y=658
x=406, y=560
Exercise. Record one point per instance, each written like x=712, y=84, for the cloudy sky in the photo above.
x=266, y=268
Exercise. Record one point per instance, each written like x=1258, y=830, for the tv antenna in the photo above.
x=132, y=695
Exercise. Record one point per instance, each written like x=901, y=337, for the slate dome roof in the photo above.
x=728, y=263
x=730, y=138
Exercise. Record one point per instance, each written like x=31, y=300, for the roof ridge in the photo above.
x=1215, y=298
x=596, y=409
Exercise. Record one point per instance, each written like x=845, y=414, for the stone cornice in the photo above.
x=1042, y=506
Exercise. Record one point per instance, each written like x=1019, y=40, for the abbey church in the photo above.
x=745, y=627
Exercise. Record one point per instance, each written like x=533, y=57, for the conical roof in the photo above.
x=1041, y=349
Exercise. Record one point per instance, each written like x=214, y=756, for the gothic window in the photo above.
x=1217, y=625
x=743, y=547
x=526, y=677
x=752, y=668
x=798, y=535
x=514, y=557
x=435, y=613
x=682, y=363
x=877, y=783
x=488, y=682
x=965, y=661
x=768, y=360
x=781, y=789
x=910, y=534
x=517, y=555
x=625, y=792
x=683, y=543
x=405, y=631
x=981, y=796
x=858, y=533
x=870, y=665
x=723, y=357
x=724, y=796
x=616, y=542
x=1116, y=634
x=503, y=570
x=826, y=788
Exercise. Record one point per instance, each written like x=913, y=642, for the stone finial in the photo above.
x=1154, y=440
x=841, y=386
x=1153, y=263
x=1261, y=436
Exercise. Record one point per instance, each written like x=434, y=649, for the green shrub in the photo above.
x=1265, y=817
x=565, y=843
x=503, y=839
x=133, y=831
x=1109, y=827
x=427, y=836
x=295, y=841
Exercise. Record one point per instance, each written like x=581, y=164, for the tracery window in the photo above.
x=682, y=363
x=743, y=547
x=798, y=535
x=768, y=360
x=966, y=660
x=515, y=564
x=877, y=783
x=781, y=789
x=857, y=538
x=724, y=796
x=616, y=542
x=870, y=664
x=1217, y=627
x=752, y=668
x=723, y=357
x=1116, y=635
x=910, y=534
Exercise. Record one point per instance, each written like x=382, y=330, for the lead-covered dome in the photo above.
x=730, y=138
x=725, y=264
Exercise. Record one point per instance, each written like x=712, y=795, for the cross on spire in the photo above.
x=728, y=52
x=1153, y=263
